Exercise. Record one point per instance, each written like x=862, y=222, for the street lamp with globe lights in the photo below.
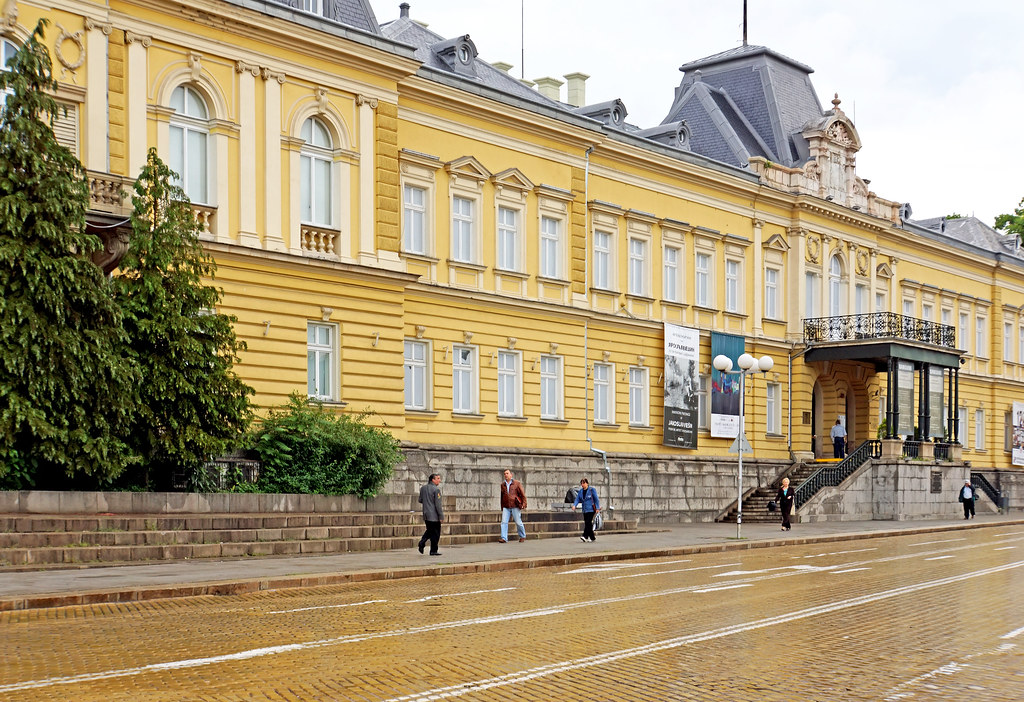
x=747, y=364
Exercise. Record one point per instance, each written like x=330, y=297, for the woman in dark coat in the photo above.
x=785, y=501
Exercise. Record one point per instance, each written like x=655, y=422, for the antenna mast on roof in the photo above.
x=744, y=22
x=522, y=39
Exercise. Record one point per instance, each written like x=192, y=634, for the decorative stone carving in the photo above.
x=269, y=75
x=195, y=64
x=105, y=27
x=9, y=19
x=66, y=63
x=363, y=100
x=321, y=99
x=862, y=262
x=115, y=246
x=813, y=249
x=131, y=37
x=243, y=67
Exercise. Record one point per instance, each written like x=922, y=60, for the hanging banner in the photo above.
x=682, y=352
x=936, y=425
x=725, y=389
x=905, y=398
x=1018, y=433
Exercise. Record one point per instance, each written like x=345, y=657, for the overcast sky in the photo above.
x=936, y=88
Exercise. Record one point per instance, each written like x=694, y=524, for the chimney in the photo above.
x=502, y=66
x=576, y=93
x=403, y=10
x=549, y=87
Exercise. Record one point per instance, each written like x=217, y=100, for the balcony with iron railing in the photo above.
x=878, y=325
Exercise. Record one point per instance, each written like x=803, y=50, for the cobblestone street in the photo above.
x=917, y=617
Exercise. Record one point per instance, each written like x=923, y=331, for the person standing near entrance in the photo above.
x=967, y=496
x=785, y=501
x=838, y=440
x=433, y=513
x=587, y=498
x=513, y=502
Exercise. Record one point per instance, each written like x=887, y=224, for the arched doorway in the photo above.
x=816, y=405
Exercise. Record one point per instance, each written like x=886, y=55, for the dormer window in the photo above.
x=314, y=6
x=458, y=54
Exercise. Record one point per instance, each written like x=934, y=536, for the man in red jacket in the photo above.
x=513, y=502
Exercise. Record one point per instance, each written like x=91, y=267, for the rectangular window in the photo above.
x=961, y=414
x=464, y=383
x=509, y=383
x=860, y=299
x=927, y=313
x=1007, y=341
x=638, y=397
x=773, y=408
x=908, y=308
x=320, y=351
x=962, y=333
x=416, y=375
x=637, y=267
x=462, y=230
x=880, y=302
x=602, y=260
x=771, y=293
x=508, y=239
x=979, y=430
x=812, y=295
x=703, y=406
x=1020, y=344
x=414, y=211
x=550, y=247
x=979, y=338
x=551, y=387
x=671, y=278
x=603, y=393
x=947, y=317
x=701, y=280
x=732, y=286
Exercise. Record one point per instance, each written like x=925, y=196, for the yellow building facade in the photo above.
x=398, y=230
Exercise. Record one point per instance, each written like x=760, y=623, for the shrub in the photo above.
x=304, y=448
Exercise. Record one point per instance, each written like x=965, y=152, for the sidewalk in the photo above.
x=97, y=584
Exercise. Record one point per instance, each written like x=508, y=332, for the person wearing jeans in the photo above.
x=513, y=502
x=587, y=498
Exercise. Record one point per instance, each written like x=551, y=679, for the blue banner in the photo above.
x=725, y=389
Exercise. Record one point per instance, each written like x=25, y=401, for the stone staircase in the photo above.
x=32, y=541
x=755, y=505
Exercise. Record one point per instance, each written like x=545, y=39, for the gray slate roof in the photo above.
x=973, y=233
x=756, y=102
x=352, y=13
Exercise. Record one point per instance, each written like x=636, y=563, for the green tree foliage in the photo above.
x=65, y=389
x=191, y=404
x=1012, y=223
x=304, y=448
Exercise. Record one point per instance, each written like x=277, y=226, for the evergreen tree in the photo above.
x=65, y=390
x=192, y=405
x=1012, y=223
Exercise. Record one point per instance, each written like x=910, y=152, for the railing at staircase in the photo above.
x=832, y=475
x=979, y=480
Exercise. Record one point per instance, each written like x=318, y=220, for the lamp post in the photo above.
x=747, y=364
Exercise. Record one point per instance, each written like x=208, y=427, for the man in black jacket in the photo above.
x=433, y=513
x=967, y=497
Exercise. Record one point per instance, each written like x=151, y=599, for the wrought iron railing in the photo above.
x=878, y=325
x=832, y=475
x=978, y=480
x=942, y=452
x=911, y=449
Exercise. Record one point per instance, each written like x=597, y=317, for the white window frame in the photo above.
x=835, y=287
x=414, y=219
x=508, y=238
x=964, y=337
x=860, y=298
x=880, y=305
x=551, y=247
x=604, y=251
x=1020, y=343
x=702, y=290
x=1008, y=341
x=552, y=388
x=464, y=247
x=7, y=49
x=703, y=401
x=812, y=294
x=962, y=437
x=638, y=265
x=510, y=383
x=771, y=293
x=639, y=396
x=979, y=429
x=316, y=163
x=318, y=351
x=191, y=167
x=980, y=346
x=672, y=274
x=733, y=271
x=927, y=312
x=908, y=307
x=417, y=375
x=465, y=379
x=773, y=408
x=604, y=393
x=316, y=7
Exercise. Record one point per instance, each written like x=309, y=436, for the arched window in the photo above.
x=7, y=51
x=189, y=135
x=315, y=165
x=835, y=287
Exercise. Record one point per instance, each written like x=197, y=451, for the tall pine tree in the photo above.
x=192, y=405
x=65, y=388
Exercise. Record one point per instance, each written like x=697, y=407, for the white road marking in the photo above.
x=307, y=609
x=519, y=677
x=1013, y=634
x=721, y=587
x=1005, y=548
x=676, y=570
x=938, y=558
x=608, y=567
x=944, y=541
x=458, y=594
x=837, y=553
x=850, y=570
x=1010, y=533
x=802, y=568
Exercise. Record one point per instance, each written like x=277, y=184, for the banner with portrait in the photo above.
x=682, y=353
x=905, y=398
x=725, y=389
x=936, y=421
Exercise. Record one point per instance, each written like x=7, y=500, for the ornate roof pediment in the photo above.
x=776, y=242
x=467, y=167
x=512, y=178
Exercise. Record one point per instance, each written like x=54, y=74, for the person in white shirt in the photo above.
x=967, y=496
x=838, y=435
